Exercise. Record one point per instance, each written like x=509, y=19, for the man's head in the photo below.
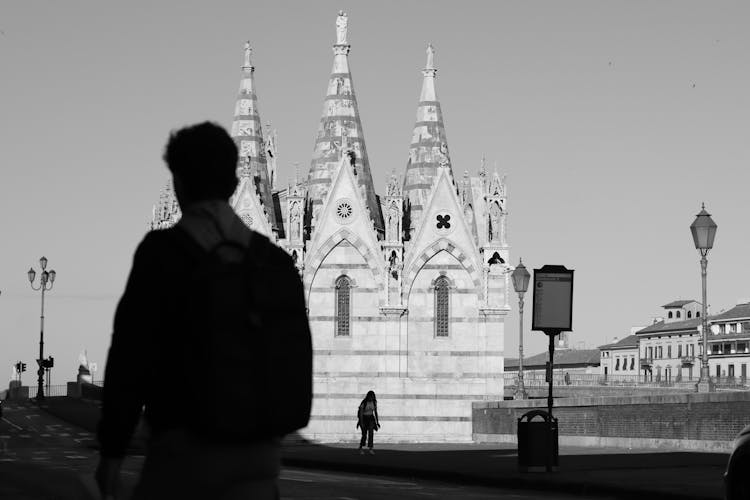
x=203, y=161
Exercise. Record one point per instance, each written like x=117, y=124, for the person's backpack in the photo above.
x=247, y=349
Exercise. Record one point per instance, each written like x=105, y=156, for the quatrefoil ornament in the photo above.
x=442, y=221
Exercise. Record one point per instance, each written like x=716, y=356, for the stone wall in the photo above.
x=700, y=422
x=425, y=385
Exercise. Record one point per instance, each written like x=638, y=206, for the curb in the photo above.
x=530, y=483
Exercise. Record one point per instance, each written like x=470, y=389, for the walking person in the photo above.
x=221, y=310
x=367, y=421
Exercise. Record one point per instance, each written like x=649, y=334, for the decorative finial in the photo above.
x=430, y=57
x=341, y=24
x=248, y=53
x=703, y=206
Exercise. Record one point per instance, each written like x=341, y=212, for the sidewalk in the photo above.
x=594, y=471
x=616, y=472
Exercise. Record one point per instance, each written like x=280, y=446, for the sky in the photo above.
x=613, y=121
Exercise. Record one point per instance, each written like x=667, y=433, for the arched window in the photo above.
x=442, y=307
x=697, y=314
x=343, y=306
x=690, y=314
x=678, y=314
x=669, y=315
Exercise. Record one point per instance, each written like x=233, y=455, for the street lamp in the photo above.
x=704, y=231
x=46, y=280
x=520, y=284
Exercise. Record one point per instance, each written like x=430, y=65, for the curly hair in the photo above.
x=204, y=157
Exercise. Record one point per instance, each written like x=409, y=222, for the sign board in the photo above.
x=552, y=310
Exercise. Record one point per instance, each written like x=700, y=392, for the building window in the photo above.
x=690, y=314
x=697, y=314
x=731, y=371
x=679, y=351
x=732, y=327
x=632, y=364
x=722, y=328
x=692, y=349
x=678, y=314
x=718, y=371
x=669, y=351
x=442, y=307
x=343, y=306
x=661, y=352
x=617, y=364
x=651, y=353
x=669, y=315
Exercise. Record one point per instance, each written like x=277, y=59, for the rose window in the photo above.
x=345, y=211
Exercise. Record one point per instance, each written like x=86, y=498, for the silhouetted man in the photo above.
x=211, y=337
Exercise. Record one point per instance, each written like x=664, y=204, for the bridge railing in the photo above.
x=49, y=390
x=536, y=379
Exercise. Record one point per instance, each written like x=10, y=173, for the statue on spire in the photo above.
x=248, y=53
x=341, y=23
x=430, y=57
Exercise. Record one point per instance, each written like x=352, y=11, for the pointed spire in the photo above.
x=247, y=132
x=167, y=212
x=340, y=130
x=429, y=146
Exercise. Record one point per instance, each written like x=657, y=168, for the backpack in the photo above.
x=247, y=351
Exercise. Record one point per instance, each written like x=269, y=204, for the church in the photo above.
x=407, y=291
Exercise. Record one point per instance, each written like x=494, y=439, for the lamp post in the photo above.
x=520, y=284
x=46, y=280
x=704, y=231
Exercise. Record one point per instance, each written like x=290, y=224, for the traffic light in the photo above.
x=23, y=367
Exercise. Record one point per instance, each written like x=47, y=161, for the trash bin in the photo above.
x=537, y=442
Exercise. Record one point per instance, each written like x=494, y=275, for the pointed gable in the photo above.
x=340, y=127
x=247, y=133
x=443, y=227
x=429, y=145
x=248, y=207
x=345, y=216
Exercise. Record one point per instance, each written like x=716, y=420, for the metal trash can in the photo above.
x=537, y=442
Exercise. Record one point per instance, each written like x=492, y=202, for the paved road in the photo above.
x=42, y=457
x=313, y=485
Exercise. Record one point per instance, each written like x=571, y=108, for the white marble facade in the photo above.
x=407, y=292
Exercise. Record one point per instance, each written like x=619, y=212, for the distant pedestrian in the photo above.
x=225, y=307
x=567, y=378
x=368, y=421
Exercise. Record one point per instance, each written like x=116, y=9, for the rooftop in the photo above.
x=629, y=341
x=563, y=358
x=678, y=303
x=674, y=326
x=737, y=312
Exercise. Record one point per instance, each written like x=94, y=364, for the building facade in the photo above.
x=729, y=344
x=670, y=347
x=407, y=291
x=620, y=357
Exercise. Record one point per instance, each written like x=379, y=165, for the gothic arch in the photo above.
x=311, y=268
x=441, y=245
